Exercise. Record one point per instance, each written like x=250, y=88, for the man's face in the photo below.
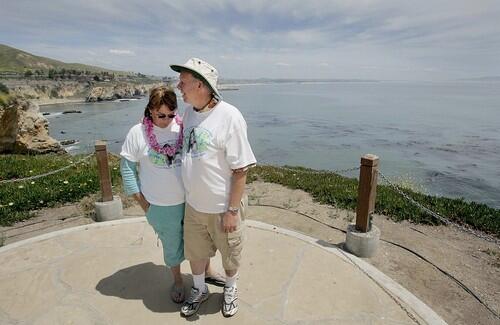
x=189, y=87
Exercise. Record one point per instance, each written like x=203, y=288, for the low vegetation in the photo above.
x=19, y=199
x=4, y=94
x=333, y=189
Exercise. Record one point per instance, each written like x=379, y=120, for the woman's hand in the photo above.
x=142, y=201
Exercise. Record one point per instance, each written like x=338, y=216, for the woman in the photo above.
x=152, y=149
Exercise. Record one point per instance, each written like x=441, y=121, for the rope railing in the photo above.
x=313, y=172
x=396, y=188
x=6, y=181
x=436, y=215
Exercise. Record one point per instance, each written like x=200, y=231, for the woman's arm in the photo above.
x=128, y=170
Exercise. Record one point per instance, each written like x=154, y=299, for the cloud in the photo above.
x=435, y=38
x=121, y=52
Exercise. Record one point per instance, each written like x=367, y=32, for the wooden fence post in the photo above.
x=101, y=154
x=367, y=191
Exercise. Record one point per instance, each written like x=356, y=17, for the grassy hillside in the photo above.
x=14, y=60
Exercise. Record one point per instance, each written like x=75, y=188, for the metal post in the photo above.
x=367, y=191
x=101, y=154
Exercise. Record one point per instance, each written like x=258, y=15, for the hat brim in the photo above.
x=181, y=68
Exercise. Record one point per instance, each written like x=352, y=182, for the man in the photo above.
x=216, y=157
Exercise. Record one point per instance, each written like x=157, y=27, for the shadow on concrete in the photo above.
x=151, y=283
x=324, y=243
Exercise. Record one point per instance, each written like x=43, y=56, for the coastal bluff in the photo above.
x=118, y=91
x=50, y=91
x=24, y=130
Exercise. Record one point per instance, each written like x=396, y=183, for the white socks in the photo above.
x=199, y=281
x=231, y=281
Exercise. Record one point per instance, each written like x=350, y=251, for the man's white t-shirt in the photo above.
x=160, y=179
x=215, y=143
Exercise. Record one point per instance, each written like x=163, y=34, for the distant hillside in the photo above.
x=14, y=60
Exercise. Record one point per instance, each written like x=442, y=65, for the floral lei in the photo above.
x=167, y=150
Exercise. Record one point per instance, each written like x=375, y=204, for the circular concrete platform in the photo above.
x=113, y=273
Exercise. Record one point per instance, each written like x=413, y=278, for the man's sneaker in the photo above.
x=230, y=301
x=193, y=302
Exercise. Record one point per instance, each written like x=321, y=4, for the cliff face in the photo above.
x=45, y=91
x=23, y=129
x=119, y=91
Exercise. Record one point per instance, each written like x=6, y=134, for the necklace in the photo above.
x=206, y=107
x=166, y=150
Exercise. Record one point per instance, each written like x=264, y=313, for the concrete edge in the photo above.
x=70, y=230
x=420, y=308
x=416, y=305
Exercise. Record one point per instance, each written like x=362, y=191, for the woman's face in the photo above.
x=162, y=116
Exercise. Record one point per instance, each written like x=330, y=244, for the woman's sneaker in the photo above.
x=230, y=301
x=193, y=302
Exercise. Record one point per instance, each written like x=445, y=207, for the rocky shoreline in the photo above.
x=24, y=129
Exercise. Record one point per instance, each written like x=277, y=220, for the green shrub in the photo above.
x=3, y=88
x=4, y=99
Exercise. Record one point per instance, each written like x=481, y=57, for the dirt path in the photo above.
x=473, y=262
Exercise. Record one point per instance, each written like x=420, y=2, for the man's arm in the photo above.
x=238, y=181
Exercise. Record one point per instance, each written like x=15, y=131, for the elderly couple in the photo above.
x=189, y=177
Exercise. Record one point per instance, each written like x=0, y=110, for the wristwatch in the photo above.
x=233, y=210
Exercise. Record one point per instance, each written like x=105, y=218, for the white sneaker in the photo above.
x=230, y=301
x=193, y=302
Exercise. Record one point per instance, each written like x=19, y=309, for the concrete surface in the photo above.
x=112, y=273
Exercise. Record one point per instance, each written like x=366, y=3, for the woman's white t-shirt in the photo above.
x=160, y=179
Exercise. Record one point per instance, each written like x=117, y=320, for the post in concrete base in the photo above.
x=362, y=244
x=109, y=210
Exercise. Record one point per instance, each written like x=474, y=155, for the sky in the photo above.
x=316, y=39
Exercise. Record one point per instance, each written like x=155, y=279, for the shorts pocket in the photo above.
x=234, y=238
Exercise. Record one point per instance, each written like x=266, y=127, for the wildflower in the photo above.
x=32, y=183
x=65, y=182
x=41, y=201
x=20, y=186
x=114, y=168
x=31, y=171
x=11, y=204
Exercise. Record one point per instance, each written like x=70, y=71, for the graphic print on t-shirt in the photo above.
x=160, y=160
x=196, y=141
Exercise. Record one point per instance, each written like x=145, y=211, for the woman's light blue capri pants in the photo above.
x=168, y=222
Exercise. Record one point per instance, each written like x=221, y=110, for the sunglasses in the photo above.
x=162, y=116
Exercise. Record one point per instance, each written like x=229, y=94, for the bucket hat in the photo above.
x=202, y=70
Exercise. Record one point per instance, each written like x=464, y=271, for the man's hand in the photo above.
x=142, y=201
x=230, y=221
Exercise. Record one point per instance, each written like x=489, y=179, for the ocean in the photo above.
x=442, y=137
